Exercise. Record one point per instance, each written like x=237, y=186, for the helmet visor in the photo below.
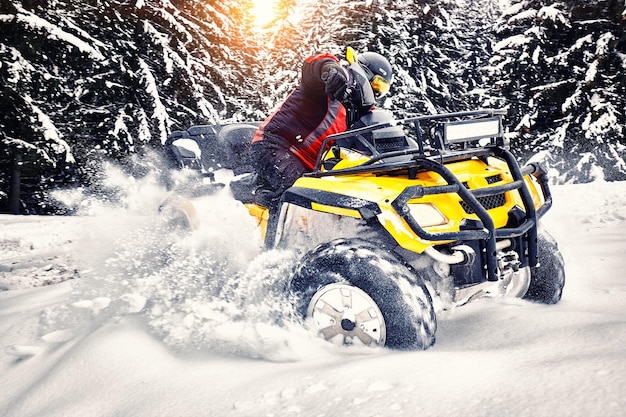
x=380, y=85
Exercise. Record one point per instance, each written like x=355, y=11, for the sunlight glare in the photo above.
x=263, y=11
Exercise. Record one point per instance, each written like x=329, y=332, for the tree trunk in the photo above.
x=15, y=187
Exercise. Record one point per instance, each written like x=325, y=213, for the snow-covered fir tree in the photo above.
x=560, y=69
x=85, y=81
x=82, y=81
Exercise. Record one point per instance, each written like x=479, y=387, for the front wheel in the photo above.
x=354, y=292
x=547, y=279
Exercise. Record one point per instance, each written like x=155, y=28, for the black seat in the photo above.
x=236, y=139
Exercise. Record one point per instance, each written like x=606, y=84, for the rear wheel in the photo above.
x=354, y=292
x=547, y=279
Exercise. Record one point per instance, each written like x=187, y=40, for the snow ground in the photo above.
x=136, y=331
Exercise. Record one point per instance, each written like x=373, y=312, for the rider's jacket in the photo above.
x=306, y=116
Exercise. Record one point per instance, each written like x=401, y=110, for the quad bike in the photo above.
x=397, y=214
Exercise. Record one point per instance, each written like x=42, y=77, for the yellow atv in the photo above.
x=398, y=213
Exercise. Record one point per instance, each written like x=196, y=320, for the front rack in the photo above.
x=434, y=135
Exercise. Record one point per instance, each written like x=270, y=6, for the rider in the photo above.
x=328, y=100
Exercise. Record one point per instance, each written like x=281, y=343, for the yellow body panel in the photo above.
x=383, y=190
x=262, y=214
x=335, y=210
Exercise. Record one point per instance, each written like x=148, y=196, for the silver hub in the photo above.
x=347, y=315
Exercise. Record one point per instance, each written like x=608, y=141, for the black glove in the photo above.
x=336, y=81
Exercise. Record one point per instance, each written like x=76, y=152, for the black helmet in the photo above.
x=377, y=69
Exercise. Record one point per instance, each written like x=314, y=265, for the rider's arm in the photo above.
x=312, y=71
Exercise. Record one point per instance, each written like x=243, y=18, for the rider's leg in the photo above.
x=279, y=169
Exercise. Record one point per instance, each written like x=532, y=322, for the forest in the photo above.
x=88, y=82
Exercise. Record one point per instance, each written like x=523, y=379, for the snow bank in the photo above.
x=157, y=324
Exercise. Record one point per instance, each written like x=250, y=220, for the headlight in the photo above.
x=427, y=215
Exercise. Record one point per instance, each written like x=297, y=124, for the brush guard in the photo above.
x=485, y=230
x=431, y=153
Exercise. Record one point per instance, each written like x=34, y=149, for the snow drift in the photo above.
x=114, y=312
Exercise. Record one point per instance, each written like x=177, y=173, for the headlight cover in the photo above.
x=427, y=215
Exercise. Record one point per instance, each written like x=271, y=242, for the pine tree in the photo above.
x=477, y=39
x=416, y=37
x=272, y=63
x=560, y=70
x=82, y=81
x=419, y=39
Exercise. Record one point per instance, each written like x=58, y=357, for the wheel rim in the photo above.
x=344, y=314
